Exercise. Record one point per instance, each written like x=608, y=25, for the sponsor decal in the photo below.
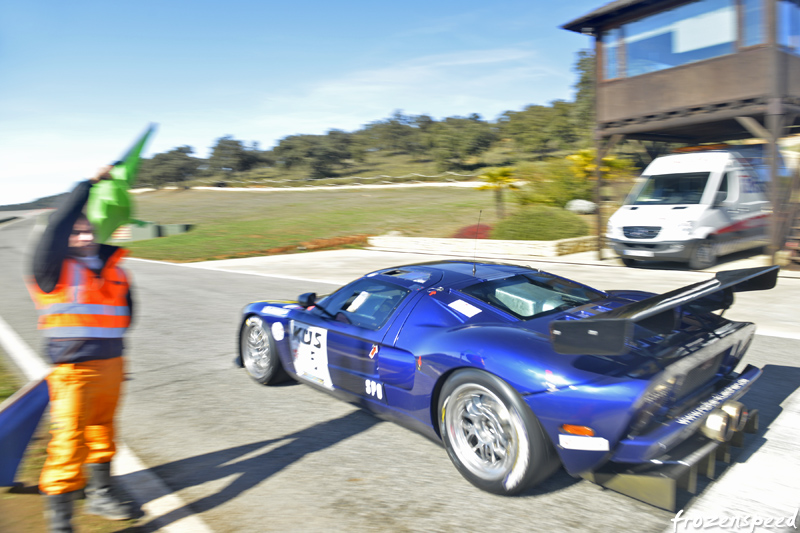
x=271, y=310
x=374, y=351
x=278, y=332
x=464, y=308
x=580, y=442
x=712, y=403
x=310, y=352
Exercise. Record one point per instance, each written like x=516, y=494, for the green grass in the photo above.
x=9, y=383
x=234, y=224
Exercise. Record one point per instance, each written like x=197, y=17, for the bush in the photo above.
x=540, y=223
x=475, y=231
x=552, y=182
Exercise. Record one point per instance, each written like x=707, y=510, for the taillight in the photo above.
x=657, y=394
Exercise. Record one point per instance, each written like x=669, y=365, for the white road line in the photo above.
x=139, y=481
x=23, y=356
x=161, y=501
x=769, y=332
x=248, y=272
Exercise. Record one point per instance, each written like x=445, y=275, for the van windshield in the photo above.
x=670, y=189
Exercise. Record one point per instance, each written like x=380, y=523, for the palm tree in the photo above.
x=498, y=180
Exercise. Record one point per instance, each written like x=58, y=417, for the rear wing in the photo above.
x=611, y=332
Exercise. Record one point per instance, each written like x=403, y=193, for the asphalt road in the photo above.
x=288, y=458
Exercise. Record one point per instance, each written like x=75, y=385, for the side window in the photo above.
x=366, y=303
x=722, y=195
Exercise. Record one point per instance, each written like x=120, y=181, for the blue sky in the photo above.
x=80, y=80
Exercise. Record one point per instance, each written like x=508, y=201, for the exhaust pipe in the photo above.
x=738, y=413
x=718, y=426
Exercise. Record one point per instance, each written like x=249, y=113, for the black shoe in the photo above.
x=59, y=511
x=103, y=499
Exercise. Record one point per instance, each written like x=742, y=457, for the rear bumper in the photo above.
x=651, y=447
x=660, y=484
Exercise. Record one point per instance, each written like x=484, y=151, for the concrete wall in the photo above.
x=485, y=247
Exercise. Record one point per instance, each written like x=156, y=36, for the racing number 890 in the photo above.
x=373, y=388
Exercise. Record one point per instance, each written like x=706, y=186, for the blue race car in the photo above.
x=518, y=371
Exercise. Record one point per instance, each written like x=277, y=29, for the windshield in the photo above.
x=670, y=189
x=532, y=295
x=366, y=303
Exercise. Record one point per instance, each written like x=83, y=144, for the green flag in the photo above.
x=109, y=204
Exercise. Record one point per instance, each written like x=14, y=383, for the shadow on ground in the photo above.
x=250, y=470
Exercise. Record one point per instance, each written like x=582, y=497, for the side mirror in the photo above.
x=307, y=299
x=719, y=198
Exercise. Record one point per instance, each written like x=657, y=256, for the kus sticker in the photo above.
x=310, y=353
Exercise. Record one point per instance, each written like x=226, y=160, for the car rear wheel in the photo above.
x=259, y=356
x=491, y=435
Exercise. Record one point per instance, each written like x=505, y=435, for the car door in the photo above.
x=336, y=344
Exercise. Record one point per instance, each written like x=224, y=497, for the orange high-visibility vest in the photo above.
x=84, y=304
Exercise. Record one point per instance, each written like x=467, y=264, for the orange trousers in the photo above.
x=83, y=400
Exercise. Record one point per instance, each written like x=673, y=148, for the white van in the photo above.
x=693, y=207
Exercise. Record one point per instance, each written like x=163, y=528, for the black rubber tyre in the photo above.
x=703, y=256
x=258, y=352
x=491, y=435
x=629, y=262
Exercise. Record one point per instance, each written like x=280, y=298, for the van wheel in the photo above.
x=628, y=262
x=703, y=256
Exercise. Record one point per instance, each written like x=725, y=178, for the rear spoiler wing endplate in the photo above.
x=611, y=332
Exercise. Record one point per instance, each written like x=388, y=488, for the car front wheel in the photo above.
x=259, y=355
x=491, y=435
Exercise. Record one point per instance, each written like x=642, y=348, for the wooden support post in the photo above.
x=602, y=150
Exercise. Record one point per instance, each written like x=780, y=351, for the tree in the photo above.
x=456, y=139
x=322, y=153
x=561, y=131
x=499, y=180
x=231, y=155
x=293, y=150
x=528, y=128
x=584, y=108
x=174, y=166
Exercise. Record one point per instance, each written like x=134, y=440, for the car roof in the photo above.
x=454, y=272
